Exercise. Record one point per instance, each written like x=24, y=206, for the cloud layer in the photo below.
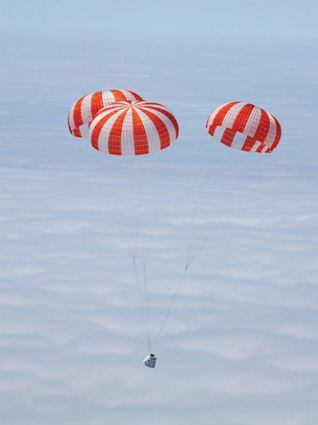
x=240, y=346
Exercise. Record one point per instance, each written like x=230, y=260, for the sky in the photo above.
x=286, y=18
x=240, y=345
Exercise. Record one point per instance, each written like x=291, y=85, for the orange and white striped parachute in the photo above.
x=244, y=126
x=133, y=128
x=84, y=110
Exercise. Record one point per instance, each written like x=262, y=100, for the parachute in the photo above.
x=119, y=122
x=244, y=126
x=84, y=109
x=133, y=128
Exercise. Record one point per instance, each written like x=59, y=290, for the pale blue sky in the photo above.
x=287, y=18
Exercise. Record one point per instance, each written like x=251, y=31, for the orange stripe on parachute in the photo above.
x=97, y=103
x=140, y=135
x=114, y=138
x=98, y=128
x=77, y=113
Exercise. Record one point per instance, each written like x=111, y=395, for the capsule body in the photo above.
x=150, y=361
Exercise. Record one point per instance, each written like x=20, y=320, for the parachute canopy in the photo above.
x=133, y=128
x=244, y=126
x=84, y=110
